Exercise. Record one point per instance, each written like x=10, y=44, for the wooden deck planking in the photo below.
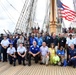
x=35, y=69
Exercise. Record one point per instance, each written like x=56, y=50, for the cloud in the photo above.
x=10, y=11
x=9, y=14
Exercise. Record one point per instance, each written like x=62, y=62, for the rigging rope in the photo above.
x=24, y=14
x=22, y=1
x=7, y=13
x=47, y=14
x=12, y=6
x=34, y=10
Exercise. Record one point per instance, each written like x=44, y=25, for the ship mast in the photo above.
x=53, y=25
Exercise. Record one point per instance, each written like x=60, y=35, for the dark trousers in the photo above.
x=20, y=59
x=72, y=62
x=0, y=57
x=75, y=45
x=11, y=59
x=68, y=53
x=4, y=54
x=27, y=54
x=0, y=53
x=36, y=58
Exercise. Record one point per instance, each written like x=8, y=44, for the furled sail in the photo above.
x=26, y=16
x=47, y=17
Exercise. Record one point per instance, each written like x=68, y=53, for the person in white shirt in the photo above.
x=21, y=50
x=44, y=54
x=4, y=44
x=21, y=39
x=70, y=40
x=11, y=54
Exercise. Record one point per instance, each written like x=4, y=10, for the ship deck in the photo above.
x=35, y=69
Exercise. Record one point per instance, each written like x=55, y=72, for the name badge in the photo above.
x=32, y=48
x=36, y=49
x=62, y=40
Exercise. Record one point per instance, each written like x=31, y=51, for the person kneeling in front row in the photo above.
x=11, y=54
x=61, y=54
x=34, y=51
x=44, y=54
x=21, y=50
x=72, y=56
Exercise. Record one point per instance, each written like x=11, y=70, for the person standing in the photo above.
x=4, y=44
x=1, y=38
x=70, y=40
x=48, y=39
x=21, y=39
x=62, y=41
x=55, y=41
x=27, y=44
x=39, y=40
x=31, y=39
x=0, y=53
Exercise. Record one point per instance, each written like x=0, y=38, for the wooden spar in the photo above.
x=9, y=32
x=5, y=31
x=53, y=26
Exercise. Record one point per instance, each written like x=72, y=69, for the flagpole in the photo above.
x=53, y=26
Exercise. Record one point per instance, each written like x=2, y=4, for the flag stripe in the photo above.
x=65, y=11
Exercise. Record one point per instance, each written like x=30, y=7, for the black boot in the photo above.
x=61, y=64
x=24, y=63
x=14, y=64
x=74, y=66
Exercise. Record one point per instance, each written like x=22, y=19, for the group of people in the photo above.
x=44, y=48
x=69, y=30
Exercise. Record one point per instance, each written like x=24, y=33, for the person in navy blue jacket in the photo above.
x=31, y=39
x=48, y=39
x=72, y=56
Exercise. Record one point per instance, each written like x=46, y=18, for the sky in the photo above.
x=9, y=14
x=10, y=11
x=69, y=3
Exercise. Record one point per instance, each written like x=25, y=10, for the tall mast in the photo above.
x=53, y=26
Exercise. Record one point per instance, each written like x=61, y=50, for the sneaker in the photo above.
x=74, y=66
x=61, y=64
x=46, y=64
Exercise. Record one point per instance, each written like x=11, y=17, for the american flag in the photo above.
x=65, y=11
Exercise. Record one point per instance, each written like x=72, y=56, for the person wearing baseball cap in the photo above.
x=21, y=50
x=11, y=54
x=4, y=44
